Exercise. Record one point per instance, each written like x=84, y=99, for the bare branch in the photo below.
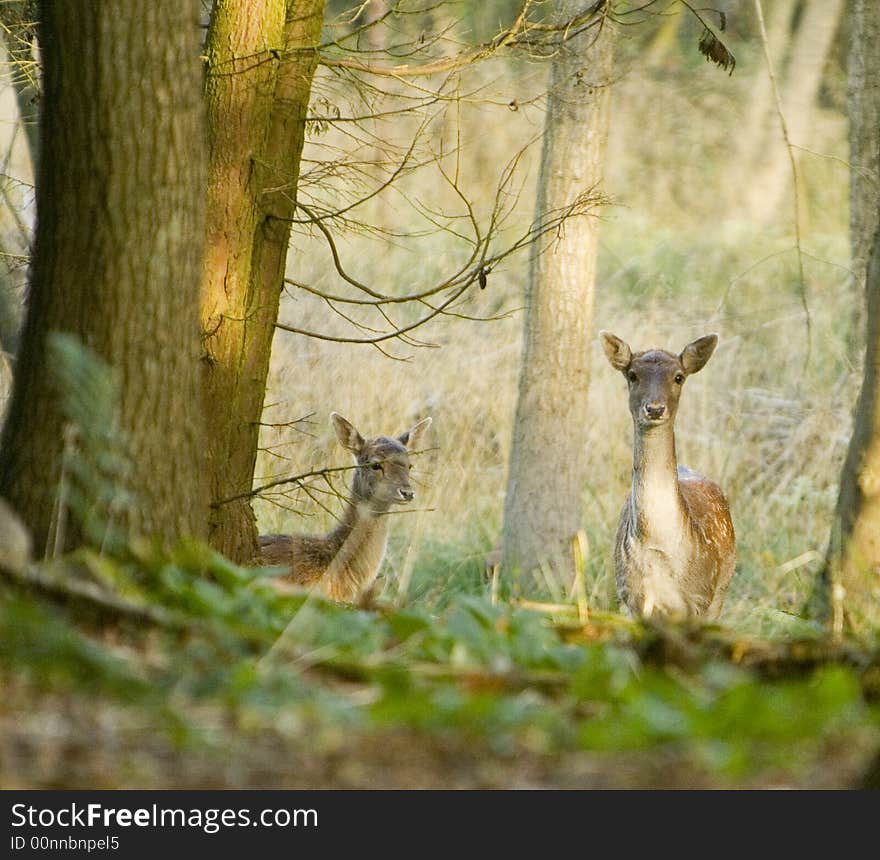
x=808, y=320
x=551, y=224
x=296, y=479
x=522, y=32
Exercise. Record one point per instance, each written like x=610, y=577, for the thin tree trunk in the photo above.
x=373, y=38
x=799, y=87
x=20, y=142
x=864, y=140
x=261, y=61
x=850, y=581
x=549, y=460
x=663, y=42
x=120, y=226
x=854, y=552
x=760, y=118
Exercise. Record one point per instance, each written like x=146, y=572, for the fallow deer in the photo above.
x=343, y=564
x=675, y=549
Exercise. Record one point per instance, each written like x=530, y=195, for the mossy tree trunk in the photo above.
x=549, y=461
x=262, y=55
x=117, y=257
x=854, y=552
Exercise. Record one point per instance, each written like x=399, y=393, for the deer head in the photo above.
x=655, y=377
x=383, y=463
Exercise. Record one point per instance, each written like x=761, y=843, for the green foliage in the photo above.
x=96, y=466
x=443, y=571
x=734, y=722
x=52, y=650
x=223, y=641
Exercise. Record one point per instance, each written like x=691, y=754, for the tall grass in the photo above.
x=678, y=259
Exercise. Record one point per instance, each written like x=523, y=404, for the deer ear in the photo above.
x=617, y=352
x=346, y=433
x=695, y=355
x=412, y=437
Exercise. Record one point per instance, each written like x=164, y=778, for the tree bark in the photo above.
x=261, y=59
x=853, y=560
x=864, y=141
x=854, y=551
x=119, y=238
x=549, y=462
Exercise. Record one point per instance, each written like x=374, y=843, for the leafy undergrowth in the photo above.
x=185, y=670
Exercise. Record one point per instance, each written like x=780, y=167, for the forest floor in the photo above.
x=69, y=741
x=65, y=743
x=184, y=671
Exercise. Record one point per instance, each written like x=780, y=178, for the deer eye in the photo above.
x=631, y=376
x=679, y=378
x=375, y=466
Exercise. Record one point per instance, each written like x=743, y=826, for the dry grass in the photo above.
x=772, y=438
x=679, y=257
x=676, y=262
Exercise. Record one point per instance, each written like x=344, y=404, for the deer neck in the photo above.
x=361, y=514
x=656, y=497
x=357, y=546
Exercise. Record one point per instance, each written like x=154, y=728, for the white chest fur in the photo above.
x=655, y=577
x=656, y=555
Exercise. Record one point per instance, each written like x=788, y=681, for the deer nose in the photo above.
x=406, y=494
x=654, y=410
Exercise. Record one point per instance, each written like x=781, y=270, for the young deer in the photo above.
x=343, y=564
x=675, y=548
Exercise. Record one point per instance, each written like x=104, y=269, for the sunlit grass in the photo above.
x=767, y=425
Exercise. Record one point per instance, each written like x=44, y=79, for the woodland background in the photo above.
x=142, y=651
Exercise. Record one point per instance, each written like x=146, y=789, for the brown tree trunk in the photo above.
x=261, y=60
x=549, y=462
x=120, y=226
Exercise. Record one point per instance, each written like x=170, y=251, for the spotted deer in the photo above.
x=675, y=549
x=343, y=564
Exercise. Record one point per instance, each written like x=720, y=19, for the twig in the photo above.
x=517, y=34
x=759, y=12
x=296, y=479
